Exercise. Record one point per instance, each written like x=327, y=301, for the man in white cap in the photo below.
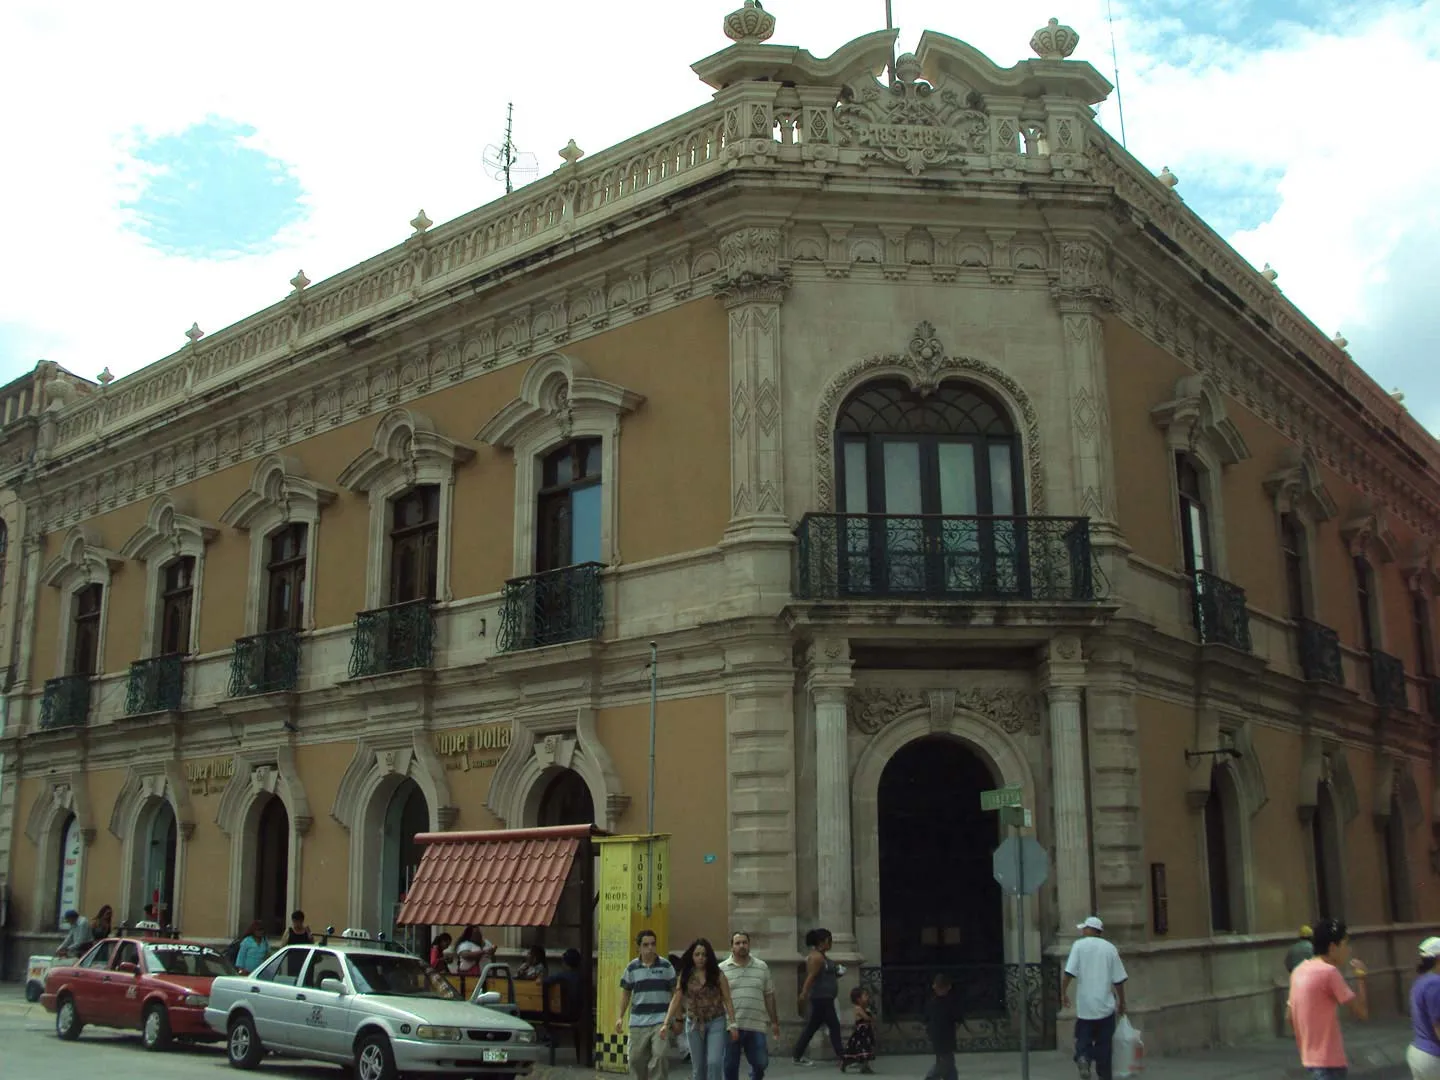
x=1095, y=964
x=1423, y=1055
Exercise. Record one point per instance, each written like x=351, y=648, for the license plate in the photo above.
x=494, y=1056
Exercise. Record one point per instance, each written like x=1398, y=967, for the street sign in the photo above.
x=1021, y=865
x=1009, y=795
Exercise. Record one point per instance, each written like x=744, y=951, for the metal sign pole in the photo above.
x=1024, y=980
x=650, y=797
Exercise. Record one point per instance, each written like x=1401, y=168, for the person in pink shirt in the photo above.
x=1317, y=989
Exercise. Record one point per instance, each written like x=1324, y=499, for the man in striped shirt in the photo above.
x=753, y=993
x=645, y=991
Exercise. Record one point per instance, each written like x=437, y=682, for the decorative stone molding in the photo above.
x=750, y=267
x=561, y=400
x=1297, y=486
x=1420, y=567
x=393, y=757
x=1015, y=712
x=82, y=560
x=279, y=494
x=260, y=773
x=923, y=366
x=169, y=533
x=1395, y=786
x=1326, y=764
x=61, y=795
x=539, y=745
x=1195, y=422
x=406, y=451
x=1247, y=772
x=1367, y=533
x=165, y=781
x=1082, y=282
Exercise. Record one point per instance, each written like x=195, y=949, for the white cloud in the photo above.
x=382, y=112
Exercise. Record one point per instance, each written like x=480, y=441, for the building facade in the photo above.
x=935, y=443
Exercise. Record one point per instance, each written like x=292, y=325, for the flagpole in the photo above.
x=890, y=25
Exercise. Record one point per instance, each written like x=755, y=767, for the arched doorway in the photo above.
x=156, y=840
x=272, y=865
x=1325, y=836
x=565, y=800
x=940, y=907
x=67, y=864
x=406, y=815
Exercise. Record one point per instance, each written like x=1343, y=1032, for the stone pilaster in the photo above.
x=828, y=681
x=1063, y=675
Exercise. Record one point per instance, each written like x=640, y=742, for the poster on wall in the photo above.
x=70, y=853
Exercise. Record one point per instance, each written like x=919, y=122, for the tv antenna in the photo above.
x=1115, y=62
x=504, y=162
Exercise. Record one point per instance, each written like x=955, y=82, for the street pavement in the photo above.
x=29, y=1050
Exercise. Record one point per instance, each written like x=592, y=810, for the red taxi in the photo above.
x=158, y=986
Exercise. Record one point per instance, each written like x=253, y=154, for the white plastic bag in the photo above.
x=1128, y=1050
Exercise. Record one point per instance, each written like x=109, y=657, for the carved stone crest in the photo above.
x=1015, y=712
x=873, y=708
x=911, y=123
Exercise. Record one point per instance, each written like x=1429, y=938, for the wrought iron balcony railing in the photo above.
x=400, y=637
x=552, y=608
x=156, y=684
x=66, y=702
x=1221, y=617
x=265, y=663
x=943, y=557
x=1320, y=653
x=1387, y=680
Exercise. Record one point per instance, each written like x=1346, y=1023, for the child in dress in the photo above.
x=860, y=1050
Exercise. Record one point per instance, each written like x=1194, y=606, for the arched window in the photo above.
x=1365, y=602
x=1325, y=840
x=568, y=521
x=937, y=478
x=1397, y=866
x=1225, y=858
x=415, y=544
x=4, y=555
x=1424, y=642
x=177, y=601
x=67, y=866
x=1194, y=515
x=1292, y=546
x=566, y=800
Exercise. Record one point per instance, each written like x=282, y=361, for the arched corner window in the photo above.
x=1194, y=515
x=1292, y=547
x=570, y=503
x=1365, y=602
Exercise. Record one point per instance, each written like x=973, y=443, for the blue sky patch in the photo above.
x=1254, y=23
x=1234, y=200
x=205, y=194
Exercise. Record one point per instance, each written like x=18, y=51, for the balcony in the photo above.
x=552, y=608
x=400, y=637
x=66, y=703
x=940, y=557
x=1221, y=617
x=1320, y=653
x=155, y=685
x=1387, y=681
x=266, y=663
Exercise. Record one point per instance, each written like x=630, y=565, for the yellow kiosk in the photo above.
x=634, y=896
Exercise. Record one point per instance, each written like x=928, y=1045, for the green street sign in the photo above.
x=1010, y=795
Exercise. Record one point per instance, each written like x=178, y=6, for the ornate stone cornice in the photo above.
x=1296, y=484
x=750, y=267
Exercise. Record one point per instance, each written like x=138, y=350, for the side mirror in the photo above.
x=128, y=968
x=332, y=985
x=489, y=997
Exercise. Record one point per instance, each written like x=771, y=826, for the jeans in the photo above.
x=756, y=1050
x=822, y=1014
x=649, y=1053
x=944, y=1067
x=1094, y=1040
x=707, y=1048
x=1328, y=1073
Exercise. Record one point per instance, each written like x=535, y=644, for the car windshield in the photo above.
x=173, y=958
x=397, y=974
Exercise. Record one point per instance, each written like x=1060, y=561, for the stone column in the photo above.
x=829, y=681
x=1063, y=673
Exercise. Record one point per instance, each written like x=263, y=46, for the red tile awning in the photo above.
x=510, y=877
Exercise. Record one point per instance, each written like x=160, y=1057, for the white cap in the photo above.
x=1430, y=948
x=1092, y=923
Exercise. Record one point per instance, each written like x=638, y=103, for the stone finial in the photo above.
x=907, y=69
x=194, y=333
x=420, y=223
x=1339, y=340
x=751, y=25
x=105, y=378
x=1054, y=42
x=299, y=281
x=1269, y=273
x=1398, y=396
x=571, y=153
x=1168, y=178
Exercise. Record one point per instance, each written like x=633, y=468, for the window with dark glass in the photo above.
x=4, y=553
x=1364, y=600
x=85, y=630
x=1292, y=546
x=1424, y=643
x=415, y=544
x=1194, y=517
x=1217, y=850
x=568, y=523
x=177, y=600
x=285, y=575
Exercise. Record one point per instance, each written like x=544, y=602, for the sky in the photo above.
x=173, y=163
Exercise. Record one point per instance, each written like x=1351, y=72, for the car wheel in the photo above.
x=33, y=990
x=374, y=1060
x=68, y=1024
x=242, y=1046
x=155, y=1027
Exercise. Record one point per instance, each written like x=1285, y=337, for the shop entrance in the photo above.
x=406, y=815
x=272, y=866
x=157, y=837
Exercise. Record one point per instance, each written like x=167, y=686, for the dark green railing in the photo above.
x=1221, y=616
x=66, y=702
x=265, y=663
x=943, y=557
x=1320, y=653
x=1387, y=680
x=155, y=685
x=395, y=638
x=552, y=608
x=987, y=998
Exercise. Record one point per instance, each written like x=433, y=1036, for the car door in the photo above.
x=271, y=995
x=120, y=990
x=319, y=1014
x=87, y=985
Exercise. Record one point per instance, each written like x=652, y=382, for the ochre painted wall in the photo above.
x=1171, y=829
x=325, y=859
x=24, y=859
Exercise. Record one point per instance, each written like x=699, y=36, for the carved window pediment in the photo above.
x=1297, y=485
x=405, y=450
x=1195, y=421
x=169, y=531
x=83, y=560
x=1422, y=567
x=279, y=492
x=1367, y=533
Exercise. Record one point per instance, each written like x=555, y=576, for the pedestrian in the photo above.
x=253, y=949
x=942, y=1013
x=78, y=937
x=437, y=953
x=1316, y=988
x=703, y=994
x=473, y=951
x=103, y=923
x=860, y=1048
x=753, y=992
x=822, y=985
x=534, y=969
x=297, y=933
x=1095, y=964
x=1300, y=951
x=1423, y=1055
x=646, y=987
